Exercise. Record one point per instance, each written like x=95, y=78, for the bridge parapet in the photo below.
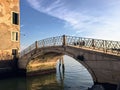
x=106, y=46
x=53, y=41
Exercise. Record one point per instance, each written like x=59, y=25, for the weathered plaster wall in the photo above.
x=6, y=27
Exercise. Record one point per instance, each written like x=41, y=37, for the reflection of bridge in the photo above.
x=100, y=57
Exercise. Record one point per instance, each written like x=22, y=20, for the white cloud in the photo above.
x=34, y=3
x=21, y=26
x=100, y=20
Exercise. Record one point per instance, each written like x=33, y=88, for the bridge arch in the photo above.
x=100, y=57
x=57, y=51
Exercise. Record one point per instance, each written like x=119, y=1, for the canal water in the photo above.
x=75, y=77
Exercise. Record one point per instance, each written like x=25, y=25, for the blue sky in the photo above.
x=87, y=18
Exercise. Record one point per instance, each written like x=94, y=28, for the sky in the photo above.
x=83, y=18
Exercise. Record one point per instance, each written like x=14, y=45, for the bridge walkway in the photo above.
x=98, y=45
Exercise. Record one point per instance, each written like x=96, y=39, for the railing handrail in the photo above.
x=104, y=45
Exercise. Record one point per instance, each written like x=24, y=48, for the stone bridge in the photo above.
x=100, y=57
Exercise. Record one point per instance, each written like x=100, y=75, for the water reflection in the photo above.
x=13, y=84
x=104, y=87
x=47, y=82
x=96, y=87
x=74, y=77
x=61, y=77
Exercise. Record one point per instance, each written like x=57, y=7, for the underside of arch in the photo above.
x=45, y=59
x=43, y=63
x=47, y=62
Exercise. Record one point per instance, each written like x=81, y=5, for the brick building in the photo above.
x=9, y=28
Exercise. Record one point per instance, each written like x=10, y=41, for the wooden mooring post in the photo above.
x=61, y=63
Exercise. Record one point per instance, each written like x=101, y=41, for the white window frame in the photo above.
x=15, y=36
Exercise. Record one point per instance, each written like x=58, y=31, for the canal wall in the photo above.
x=36, y=66
x=8, y=68
x=42, y=66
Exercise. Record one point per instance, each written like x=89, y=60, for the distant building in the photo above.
x=9, y=28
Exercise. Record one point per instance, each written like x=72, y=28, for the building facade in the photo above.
x=9, y=29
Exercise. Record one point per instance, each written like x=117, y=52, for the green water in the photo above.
x=75, y=77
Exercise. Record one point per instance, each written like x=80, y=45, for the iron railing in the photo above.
x=106, y=46
x=53, y=41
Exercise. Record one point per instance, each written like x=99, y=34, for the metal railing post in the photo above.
x=36, y=44
x=43, y=43
x=64, y=40
x=93, y=44
x=54, y=41
x=105, y=46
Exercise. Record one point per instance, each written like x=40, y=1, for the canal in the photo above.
x=75, y=77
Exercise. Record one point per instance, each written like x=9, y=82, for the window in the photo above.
x=15, y=18
x=14, y=51
x=14, y=36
